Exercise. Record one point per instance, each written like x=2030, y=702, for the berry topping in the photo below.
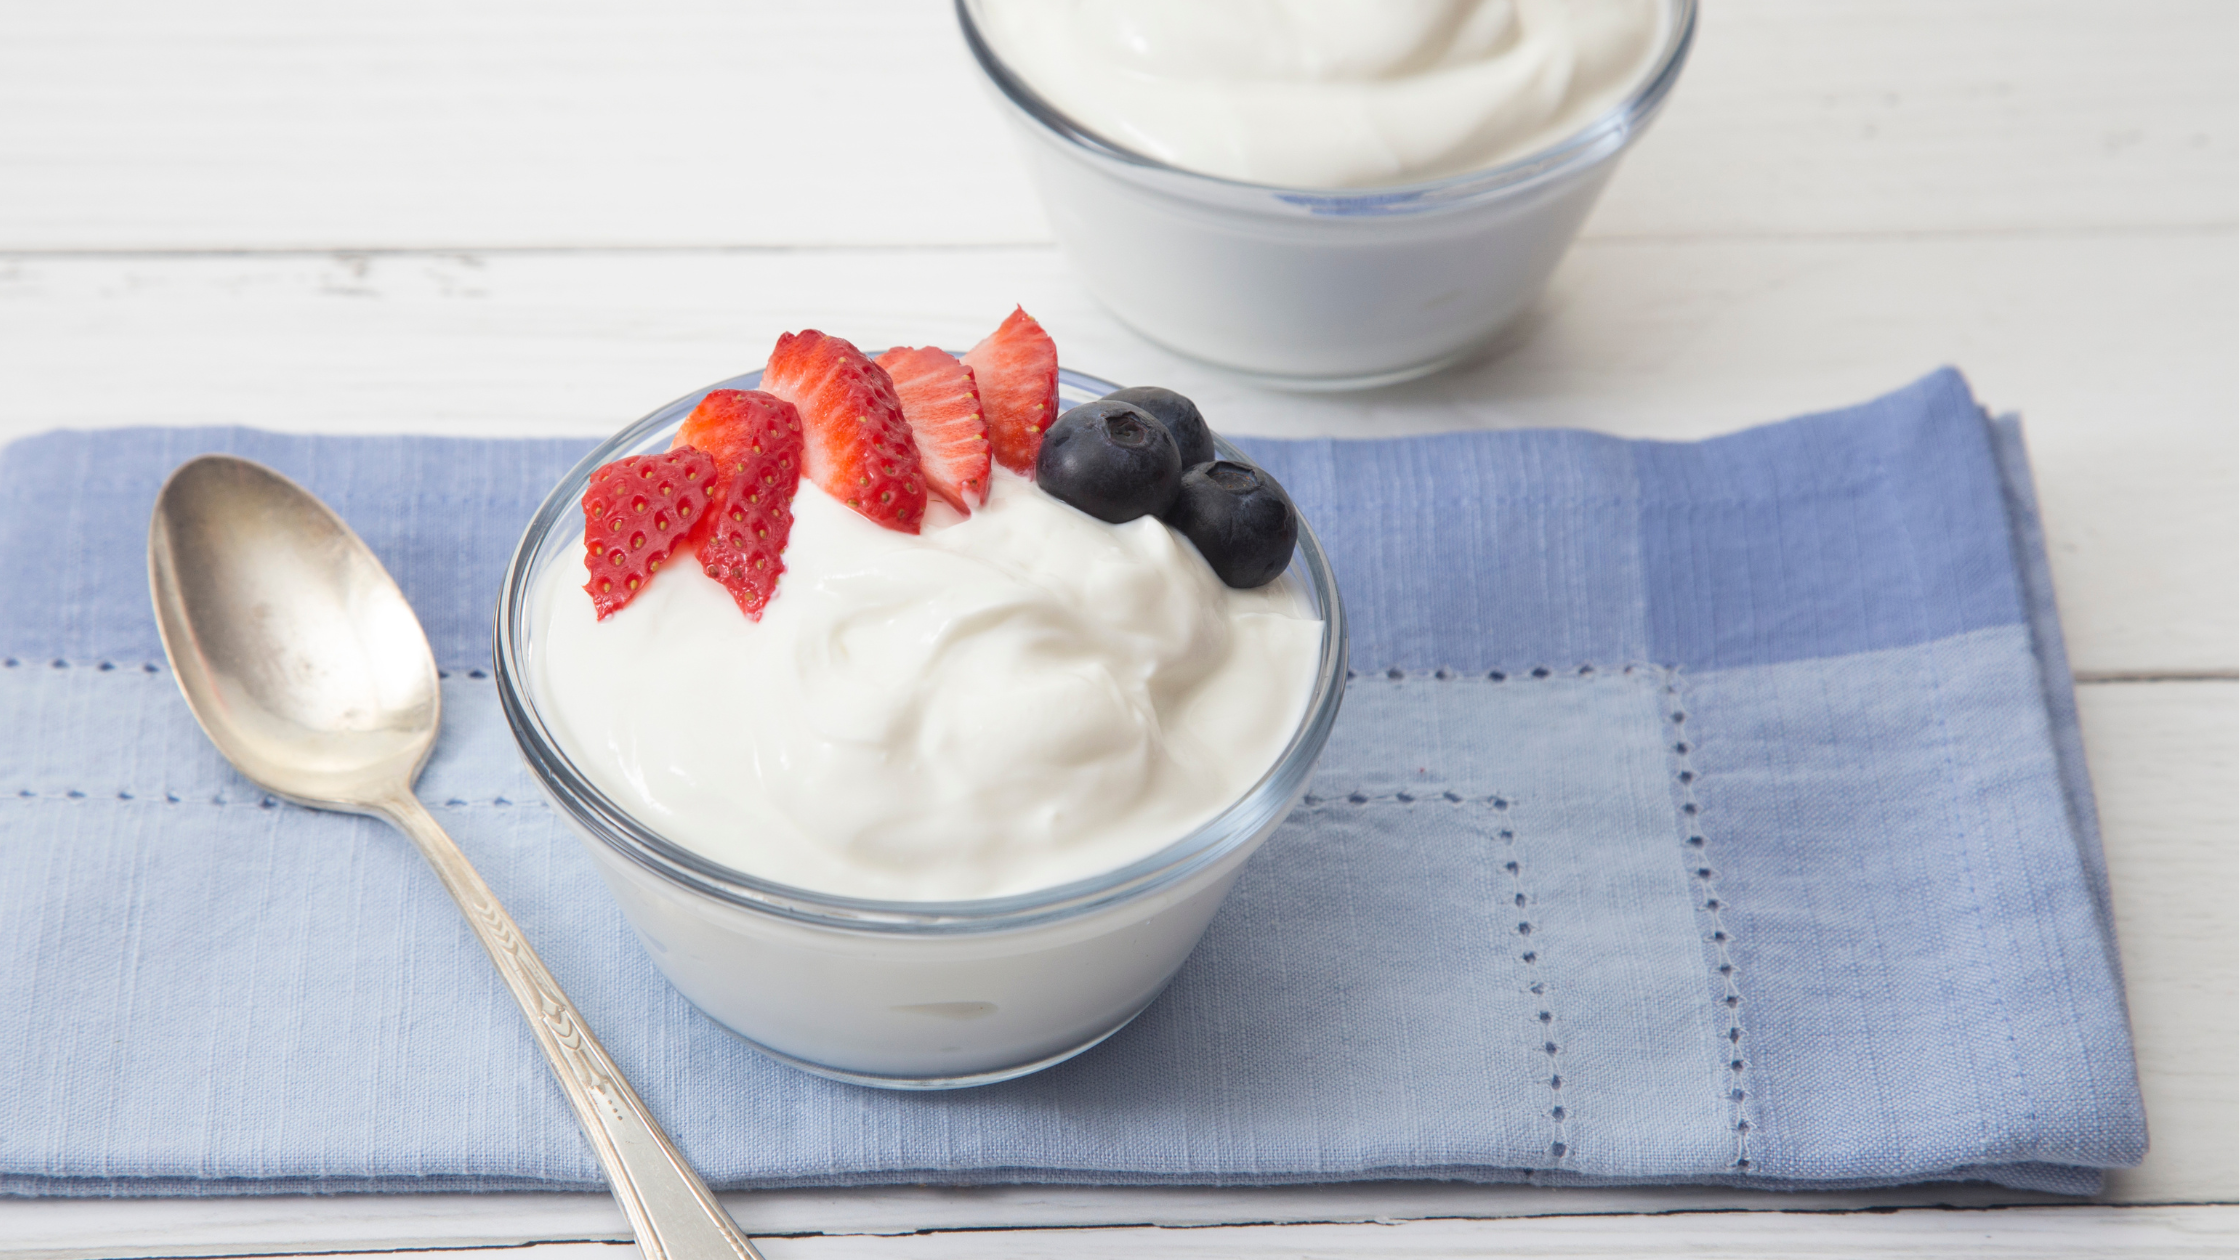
x=636, y=512
x=1240, y=520
x=1110, y=460
x=858, y=448
x=736, y=425
x=1017, y=369
x=742, y=538
x=1192, y=439
x=942, y=404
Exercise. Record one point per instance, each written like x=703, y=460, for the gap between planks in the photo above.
x=1588, y=240
x=2172, y=1231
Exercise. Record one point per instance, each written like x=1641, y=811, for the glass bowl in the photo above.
x=1306, y=288
x=901, y=994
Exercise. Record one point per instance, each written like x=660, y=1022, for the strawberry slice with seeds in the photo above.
x=1016, y=367
x=942, y=404
x=734, y=425
x=755, y=439
x=858, y=447
x=743, y=538
x=636, y=512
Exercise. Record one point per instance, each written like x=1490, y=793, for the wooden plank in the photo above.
x=2129, y=399
x=261, y=124
x=2076, y=1233
x=2163, y=761
x=2178, y=1233
x=1921, y=116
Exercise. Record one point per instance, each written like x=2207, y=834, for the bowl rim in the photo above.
x=1599, y=139
x=594, y=814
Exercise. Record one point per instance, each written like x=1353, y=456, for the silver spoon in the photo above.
x=308, y=670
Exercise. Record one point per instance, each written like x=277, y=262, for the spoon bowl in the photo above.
x=283, y=627
x=307, y=668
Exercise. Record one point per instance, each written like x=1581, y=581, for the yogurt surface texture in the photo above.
x=998, y=704
x=1330, y=93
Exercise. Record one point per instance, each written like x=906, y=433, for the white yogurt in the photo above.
x=1000, y=704
x=1330, y=93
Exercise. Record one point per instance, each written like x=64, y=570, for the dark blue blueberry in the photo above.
x=1240, y=519
x=1110, y=460
x=1193, y=441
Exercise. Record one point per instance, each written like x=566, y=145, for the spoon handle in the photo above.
x=672, y=1211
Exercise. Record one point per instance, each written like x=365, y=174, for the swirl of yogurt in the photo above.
x=1330, y=93
x=1004, y=702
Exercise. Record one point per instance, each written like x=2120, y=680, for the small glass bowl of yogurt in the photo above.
x=895, y=991
x=1324, y=194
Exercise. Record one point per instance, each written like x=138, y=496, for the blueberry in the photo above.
x=1111, y=460
x=1240, y=519
x=1192, y=439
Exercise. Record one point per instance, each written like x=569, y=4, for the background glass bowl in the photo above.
x=1307, y=288
x=902, y=994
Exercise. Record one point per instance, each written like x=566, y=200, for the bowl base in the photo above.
x=1331, y=384
x=927, y=1082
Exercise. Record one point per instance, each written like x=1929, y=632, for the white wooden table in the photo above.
x=517, y=217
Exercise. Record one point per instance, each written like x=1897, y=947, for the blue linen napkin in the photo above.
x=1699, y=812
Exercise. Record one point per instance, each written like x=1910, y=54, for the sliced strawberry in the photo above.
x=743, y=540
x=1017, y=370
x=732, y=425
x=636, y=512
x=755, y=439
x=942, y=405
x=858, y=449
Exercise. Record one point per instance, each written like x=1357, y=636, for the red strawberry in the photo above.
x=755, y=439
x=942, y=405
x=858, y=448
x=1017, y=369
x=636, y=512
x=733, y=424
x=743, y=540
